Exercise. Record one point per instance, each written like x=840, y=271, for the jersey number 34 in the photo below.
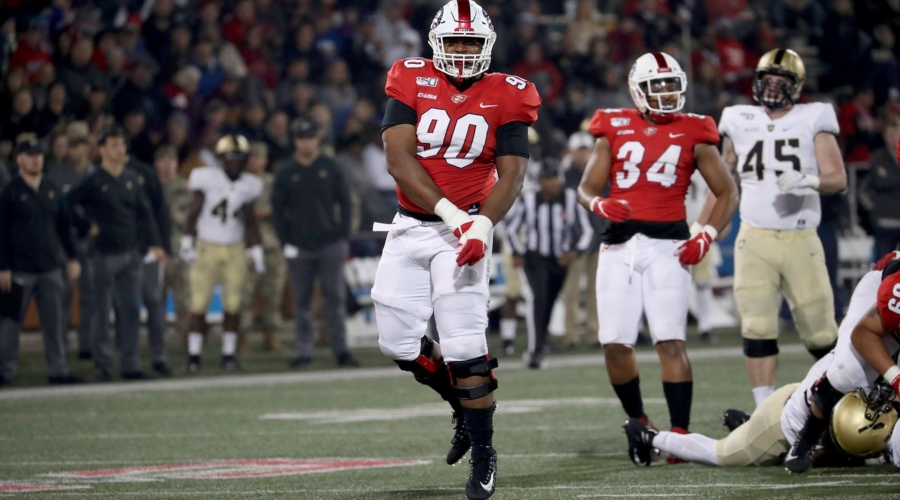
x=663, y=171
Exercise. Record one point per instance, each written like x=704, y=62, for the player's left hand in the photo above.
x=473, y=243
x=255, y=254
x=567, y=258
x=793, y=179
x=884, y=261
x=692, y=251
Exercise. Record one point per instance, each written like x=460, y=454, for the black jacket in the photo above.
x=33, y=227
x=311, y=204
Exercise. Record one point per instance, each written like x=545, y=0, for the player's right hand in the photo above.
x=458, y=221
x=186, y=252
x=608, y=208
x=291, y=252
x=884, y=261
x=892, y=375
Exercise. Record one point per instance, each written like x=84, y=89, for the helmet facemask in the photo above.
x=660, y=96
x=461, y=66
x=775, y=95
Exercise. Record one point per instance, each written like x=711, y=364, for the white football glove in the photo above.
x=186, y=252
x=291, y=252
x=792, y=179
x=255, y=254
x=453, y=217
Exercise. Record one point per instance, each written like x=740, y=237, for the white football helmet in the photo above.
x=462, y=18
x=649, y=77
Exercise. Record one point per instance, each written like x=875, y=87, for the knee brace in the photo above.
x=432, y=374
x=820, y=352
x=825, y=396
x=423, y=362
x=754, y=348
x=475, y=367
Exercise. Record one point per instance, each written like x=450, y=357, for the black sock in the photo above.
x=480, y=424
x=439, y=382
x=630, y=395
x=679, y=396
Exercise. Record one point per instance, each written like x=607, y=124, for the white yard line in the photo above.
x=225, y=382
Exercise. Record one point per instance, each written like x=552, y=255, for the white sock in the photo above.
x=195, y=343
x=695, y=448
x=508, y=328
x=762, y=392
x=229, y=343
x=704, y=307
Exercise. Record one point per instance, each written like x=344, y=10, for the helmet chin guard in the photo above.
x=649, y=82
x=462, y=19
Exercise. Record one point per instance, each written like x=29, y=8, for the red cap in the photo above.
x=889, y=302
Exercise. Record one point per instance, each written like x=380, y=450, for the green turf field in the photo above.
x=557, y=433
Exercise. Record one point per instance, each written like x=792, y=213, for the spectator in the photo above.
x=541, y=72
x=178, y=198
x=311, y=214
x=301, y=100
x=178, y=134
x=210, y=72
x=75, y=167
x=120, y=220
x=297, y=72
x=337, y=91
x=180, y=51
x=23, y=118
x=802, y=18
x=277, y=137
x=140, y=91
x=585, y=26
x=30, y=55
x=884, y=186
x=59, y=149
x=34, y=224
x=183, y=91
x=80, y=75
x=858, y=126
x=737, y=66
x=397, y=37
x=656, y=24
x=303, y=47
x=376, y=164
x=240, y=22
x=253, y=118
x=139, y=144
x=264, y=289
x=843, y=50
x=256, y=56
x=884, y=68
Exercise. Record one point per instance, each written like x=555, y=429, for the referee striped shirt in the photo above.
x=550, y=228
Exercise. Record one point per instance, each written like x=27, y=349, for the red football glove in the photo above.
x=473, y=242
x=692, y=251
x=892, y=375
x=608, y=208
x=884, y=261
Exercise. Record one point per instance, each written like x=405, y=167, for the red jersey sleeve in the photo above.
x=889, y=302
x=528, y=100
x=401, y=83
x=599, y=123
x=707, y=132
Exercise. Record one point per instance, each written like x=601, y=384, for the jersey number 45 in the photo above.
x=754, y=161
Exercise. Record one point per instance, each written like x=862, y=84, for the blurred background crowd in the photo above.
x=178, y=74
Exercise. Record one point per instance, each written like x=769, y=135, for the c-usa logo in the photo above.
x=437, y=18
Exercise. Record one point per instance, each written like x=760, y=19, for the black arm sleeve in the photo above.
x=512, y=140
x=397, y=113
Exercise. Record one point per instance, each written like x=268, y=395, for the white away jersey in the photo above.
x=221, y=220
x=765, y=148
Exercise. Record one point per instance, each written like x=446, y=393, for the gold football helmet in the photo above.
x=232, y=145
x=782, y=62
x=861, y=427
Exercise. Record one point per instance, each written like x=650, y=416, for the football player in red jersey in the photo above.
x=449, y=127
x=649, y=154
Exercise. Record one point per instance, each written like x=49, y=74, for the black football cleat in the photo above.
x=460, y=443
x=193, y=364
x=231, y=364
x=734, y=419
x=482, y=476
x=640, y=442
x=799, y=459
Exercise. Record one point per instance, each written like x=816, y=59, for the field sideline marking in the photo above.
x=231, y=381
x=344, y=491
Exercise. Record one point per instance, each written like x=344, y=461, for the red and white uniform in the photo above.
x=638, y=271
x=418, y=274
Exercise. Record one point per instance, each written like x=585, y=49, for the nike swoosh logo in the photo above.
x=672, y=136
x=488, y=486
x=483, y=105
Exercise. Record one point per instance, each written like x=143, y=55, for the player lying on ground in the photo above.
x=866, y=353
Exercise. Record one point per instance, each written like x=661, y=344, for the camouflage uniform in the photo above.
x=266, y=289
x=178, y=196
